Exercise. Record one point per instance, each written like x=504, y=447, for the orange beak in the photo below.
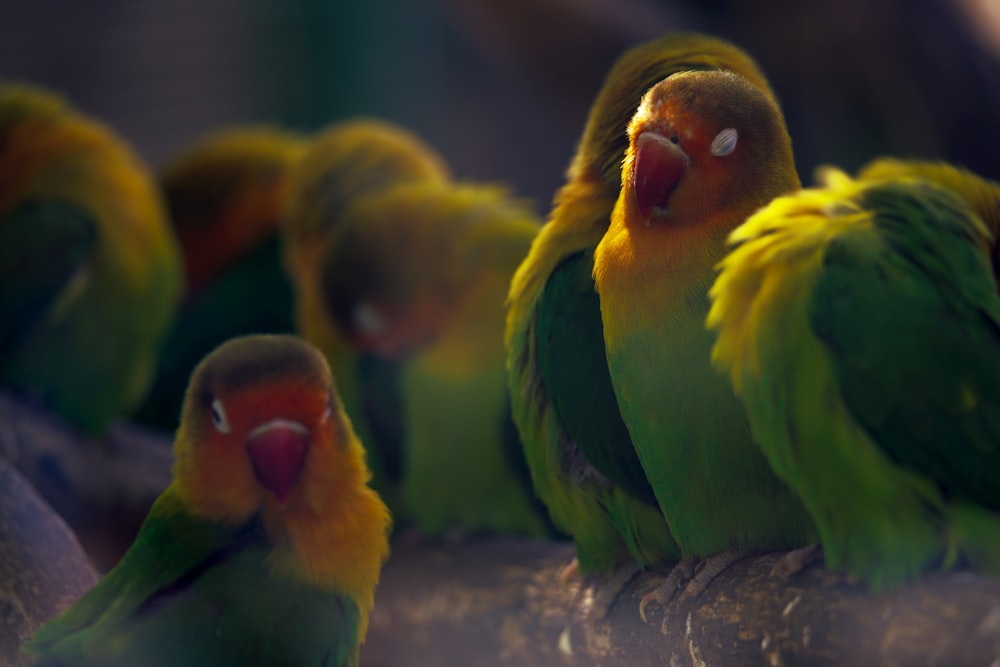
x=277, y=451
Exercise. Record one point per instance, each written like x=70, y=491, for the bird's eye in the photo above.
x=674, y=139
x=219, y=417
x=329, y=409
x=725, y=142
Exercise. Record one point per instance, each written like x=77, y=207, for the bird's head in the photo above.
x=704, y=144
x=260, y=416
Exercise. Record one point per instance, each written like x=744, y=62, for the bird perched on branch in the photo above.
x=266, y=547
x=578, y=447
x=706, y=149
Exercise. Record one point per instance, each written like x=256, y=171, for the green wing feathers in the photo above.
x=200, y=594
x=861, y=326
x=574, y=367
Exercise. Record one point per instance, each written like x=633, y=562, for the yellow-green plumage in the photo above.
x=858, y=321
x=579, y=452
x=90, y=272
x=419, y=275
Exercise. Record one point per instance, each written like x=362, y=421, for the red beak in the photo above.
x=659, y=166
x=277, y=451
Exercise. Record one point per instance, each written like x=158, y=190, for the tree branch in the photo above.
x=500, y=602
x=102, y=487
x=42, y=567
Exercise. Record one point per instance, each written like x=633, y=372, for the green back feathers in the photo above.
x=859, y=323
x=350, y=160
x=909, y=311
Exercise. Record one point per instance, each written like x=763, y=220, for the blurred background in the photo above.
x=502, y=87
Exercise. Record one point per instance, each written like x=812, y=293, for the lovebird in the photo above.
x=417, y=276
x=226, y=196
x=267, y=545
x=579, y=451
x=90, y=272
x=347, y=161
x=859, y=323
x=706, y=149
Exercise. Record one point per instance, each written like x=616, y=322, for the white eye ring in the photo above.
x=219, y=417
x=725, y=142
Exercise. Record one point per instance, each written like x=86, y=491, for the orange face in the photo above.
x=259, y=414
x=700, y=142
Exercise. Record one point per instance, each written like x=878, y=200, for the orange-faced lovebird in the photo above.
x=578, y=447
x=706, y=149
x=267, y=545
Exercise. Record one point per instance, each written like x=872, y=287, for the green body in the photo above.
x=870, y=366
x=192, y=592
x=90, y=273
x=691, y=433
x=599, y=455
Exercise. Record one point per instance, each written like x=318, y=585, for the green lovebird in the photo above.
x=226, y=196
x=90, y=273
x=578, y=448
x=706, y=149
x=860, y=324
x=348, y=161
x=266, y=547
x=418, y=276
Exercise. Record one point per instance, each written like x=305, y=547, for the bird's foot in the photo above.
x=665, y=591
x=796, y=560
x=607, y=590
x=571, y=570
x=710, y=568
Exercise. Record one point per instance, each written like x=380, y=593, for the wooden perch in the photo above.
x=102, y=487
x=42, y=567
x=500, y=602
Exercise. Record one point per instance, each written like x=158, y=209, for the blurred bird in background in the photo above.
x=400, y=278
x=90, y=274
x=226, y=196
x=417, y=277
x=347, y=162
